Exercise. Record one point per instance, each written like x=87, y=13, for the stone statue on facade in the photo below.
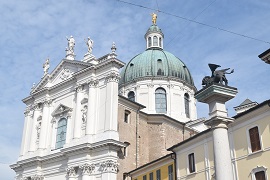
x=154, y=18
x=46, y=66
x=90, y=43
x=218, y=76
x=84, y=114
x=71, y=44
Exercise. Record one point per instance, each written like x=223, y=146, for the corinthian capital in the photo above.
x=37, y=177
x=71, y=171
x=113, y=77
x=87, y=168
x=109, y=166
x=79, y=88
x=93, y=83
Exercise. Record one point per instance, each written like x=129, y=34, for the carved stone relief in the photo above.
x=66, y=74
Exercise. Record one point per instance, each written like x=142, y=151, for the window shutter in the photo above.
x=254, y=139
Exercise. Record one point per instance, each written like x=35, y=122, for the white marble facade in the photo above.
x=70, y=129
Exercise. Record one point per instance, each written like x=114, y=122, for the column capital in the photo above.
x=47, y=102
x=219, y=122
x=113, y=77
x=109, y=166
x=71, y=172
x=37, y=177
x=93, y=83
x=87, y=169
x=79, y=88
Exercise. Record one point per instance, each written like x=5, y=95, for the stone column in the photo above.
x=25, y=137
x=91, y=111
x=71, y=173
x=78, y=117
x=87, y=170
x=44, y=125
x=215, y=96
x=111, y=106
x=37, y=112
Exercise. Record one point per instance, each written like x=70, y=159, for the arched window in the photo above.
x=61, y=133
x=160, y=41
x=161, y=101
x=259, y=173
x=131, y=96
x=186, y=97
x=149, y=42
x=155, y=41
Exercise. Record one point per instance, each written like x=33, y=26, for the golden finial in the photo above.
x=154, y=18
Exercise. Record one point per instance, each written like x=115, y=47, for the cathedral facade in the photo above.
x=86, y=120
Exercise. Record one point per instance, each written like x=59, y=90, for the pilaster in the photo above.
x=25, y=138
x=78, y=116
x=91, y=111
x=37, y=113
x=45, y=123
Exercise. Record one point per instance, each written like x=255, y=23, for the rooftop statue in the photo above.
x=218, y=76
x=46, y=66
x=71, y=44
x=90, y=43
x=154, y=18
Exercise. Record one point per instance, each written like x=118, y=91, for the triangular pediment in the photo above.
x=61, y=109
x=63, y=71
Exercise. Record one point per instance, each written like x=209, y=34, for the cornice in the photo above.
x=92, y=146
x=165, y=78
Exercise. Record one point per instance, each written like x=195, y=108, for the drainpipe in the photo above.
x=137, y=137
x=173, y=156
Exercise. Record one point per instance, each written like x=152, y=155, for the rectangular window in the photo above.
x=126, y=118
x=170, y=172
x=151, y=176
x=260, y=175
x=191, y=163
x=254, y=139
x=144, y=177
x=158, y=174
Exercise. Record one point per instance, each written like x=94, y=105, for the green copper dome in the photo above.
x=155, y=63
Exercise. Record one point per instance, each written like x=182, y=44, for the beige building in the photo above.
x=248, y=136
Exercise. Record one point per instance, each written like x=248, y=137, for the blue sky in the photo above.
x=33, y=30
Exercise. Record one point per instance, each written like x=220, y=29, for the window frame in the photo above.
x=158, y=174
x=155, y=41
x=60, y=144
x=158, y=104
x=131, y=98
x=170, y=174
x=151, y=176
x=258, y=169
x=191, y=163
x=250, y=151
x=187, y=104
x=127, y=116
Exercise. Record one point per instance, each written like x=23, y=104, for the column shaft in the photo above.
x=44, y=125
x=91, y=112
x=33, y=129
x=25, y=132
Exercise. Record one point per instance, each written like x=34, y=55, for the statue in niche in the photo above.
x=84, y=114
x=38, y=127
x=90, y=43
x=218, y=76
x=71, y=44
x=46, y=66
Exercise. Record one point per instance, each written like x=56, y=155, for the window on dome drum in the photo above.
x=170, y=172
x=155, y=41
x=186, y=98
x=151, y=176
x=149, y=42
x=191, y=163
x=254, y=136
x=131, y=96
x=160, y=100
x=260, y=175
x=61, y=133
x=158, y=174
x=160, y=42
x=126, y=118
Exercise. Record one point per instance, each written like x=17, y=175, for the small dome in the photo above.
x=154, y=29
x=155, y=63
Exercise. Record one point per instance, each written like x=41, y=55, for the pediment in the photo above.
x=60, y=110
x=63, y=71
